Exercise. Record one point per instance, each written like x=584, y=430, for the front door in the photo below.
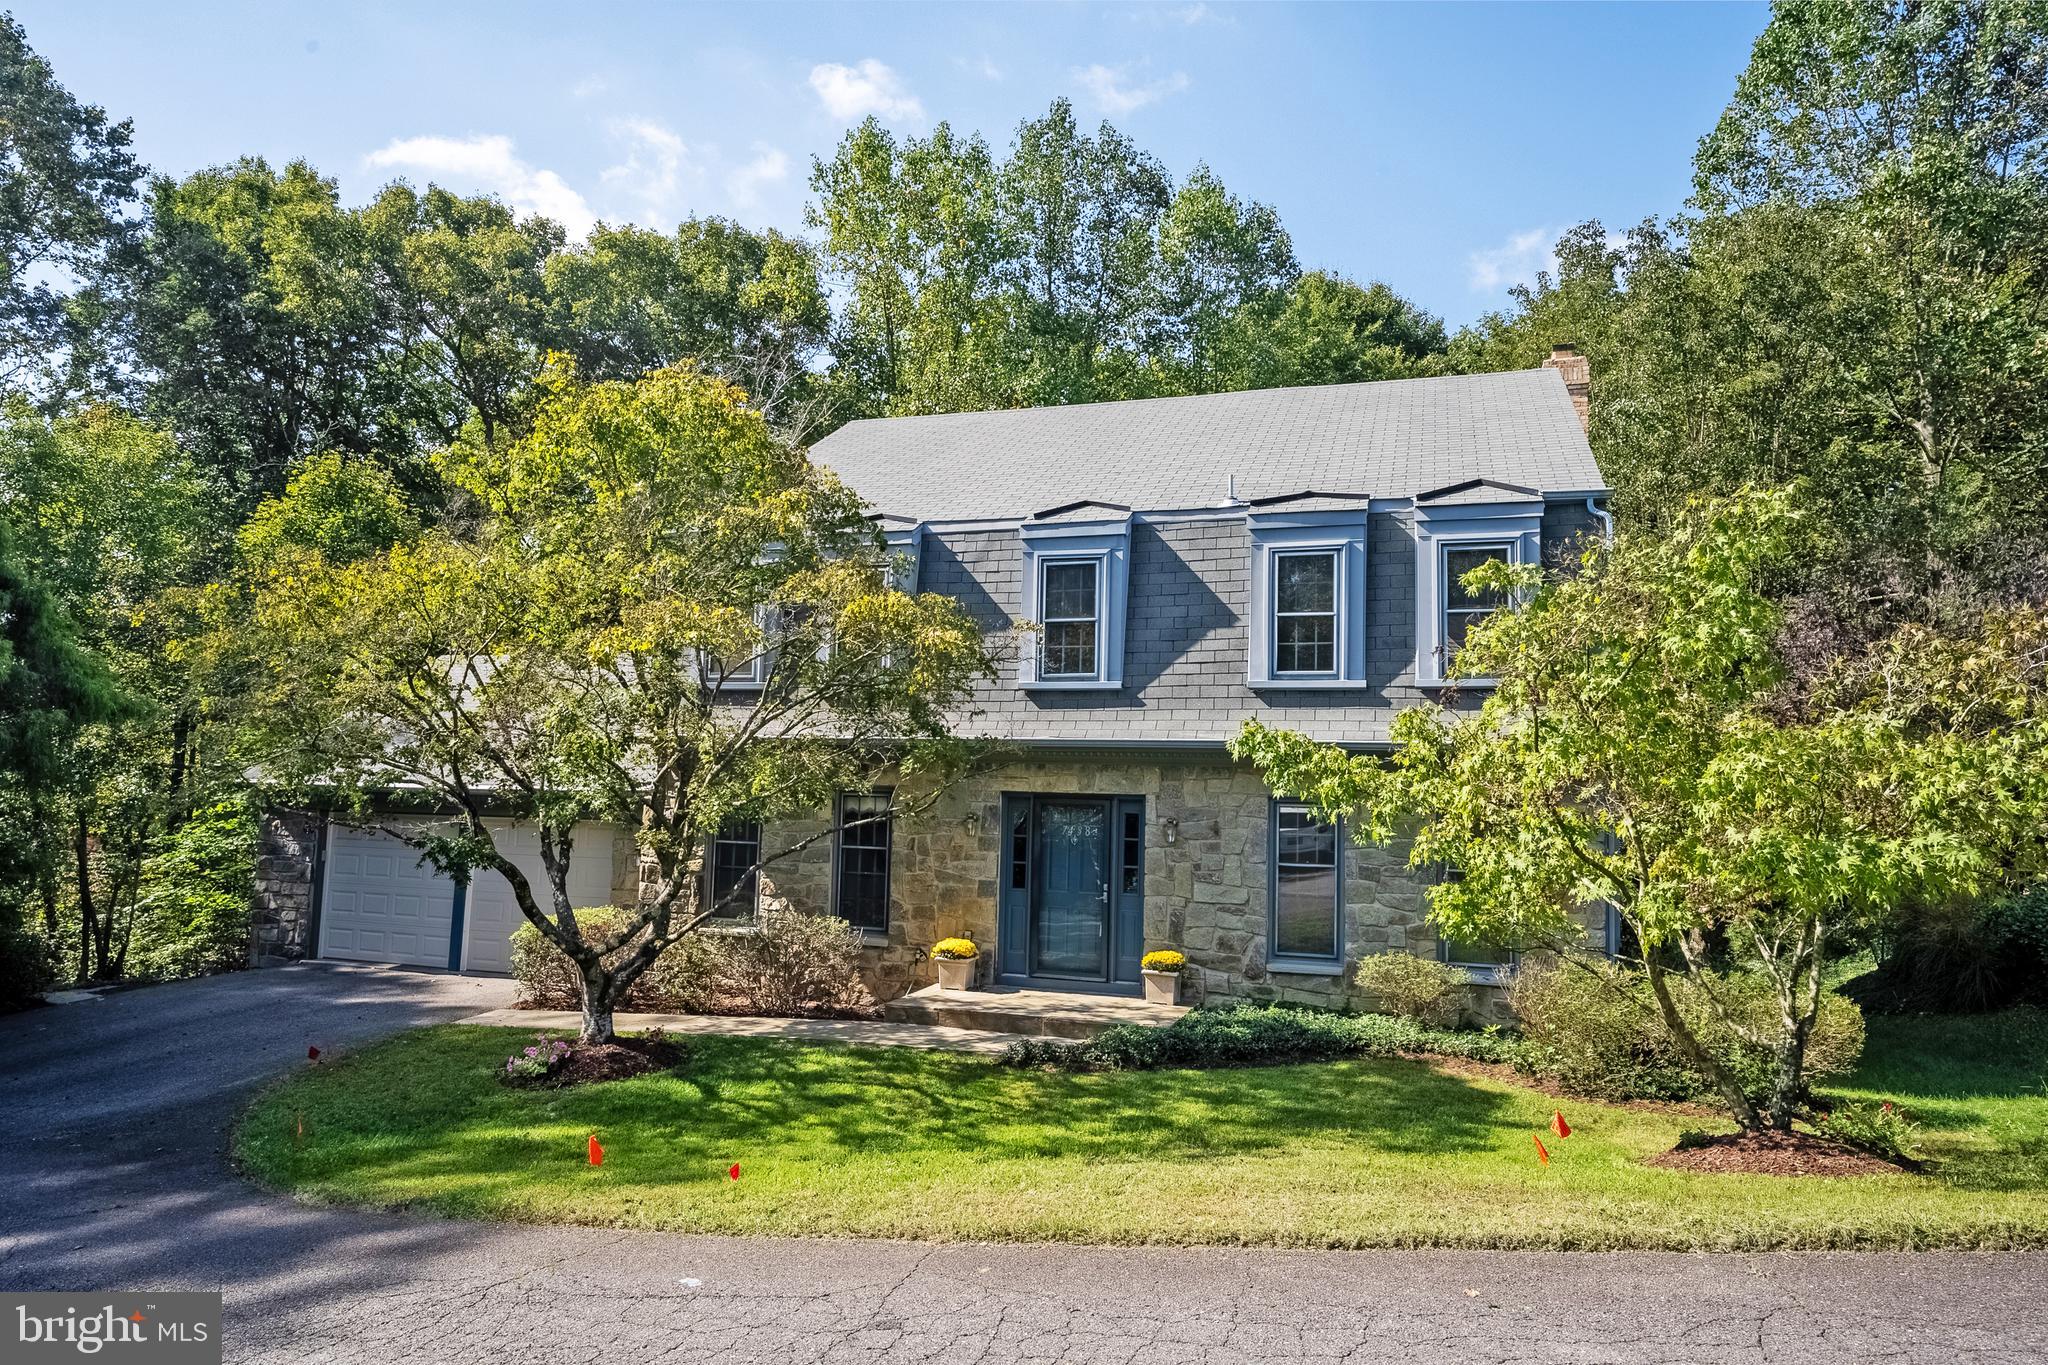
x=1070, y=913
x=1072, y=909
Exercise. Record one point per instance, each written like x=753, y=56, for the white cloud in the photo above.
x=653, y=169
x=1115, y=92
x=744, y=183
x=489, y=163
x=853, y=92
x=1514, y=261
x=1197, y=14
x=983, y=67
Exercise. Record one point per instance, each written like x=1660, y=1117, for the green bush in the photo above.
x=1880, y=1129
x=786, y=964
x=1433, y=994
x=192, y=907
x=1594, y=1029
x=1974, y=958
x=1255, y=1035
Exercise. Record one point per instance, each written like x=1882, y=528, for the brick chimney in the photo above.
x=1577, y=372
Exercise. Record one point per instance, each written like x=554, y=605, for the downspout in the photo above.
x=1606, y=520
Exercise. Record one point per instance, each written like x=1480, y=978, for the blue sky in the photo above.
x=1437, y=147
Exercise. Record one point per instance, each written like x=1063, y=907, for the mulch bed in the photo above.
x=623, y=1057
x=1771, y=1154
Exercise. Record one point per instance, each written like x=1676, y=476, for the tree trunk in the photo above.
x=597, y=1006
x=81, y=850
x=1708, y=1065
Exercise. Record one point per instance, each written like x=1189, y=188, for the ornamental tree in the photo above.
x=1640, y=748
x=649, y=610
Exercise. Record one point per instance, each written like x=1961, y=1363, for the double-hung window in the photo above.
x=1305, y=613
x=1464, y=607
x=1307, y=902
x=861, y=884
x=1071, y=614
x=735, y=875
x=1486, y=962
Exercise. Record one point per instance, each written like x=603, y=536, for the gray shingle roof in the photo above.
x=1391, y=439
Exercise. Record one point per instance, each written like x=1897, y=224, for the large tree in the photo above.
x=66, y=175
x=663, y=616
x=1638, y=747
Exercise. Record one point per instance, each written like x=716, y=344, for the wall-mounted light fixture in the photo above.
x=1171, y=829
x=971, y=821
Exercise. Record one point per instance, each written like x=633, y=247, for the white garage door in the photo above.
x=383, y=904
x=491, y=914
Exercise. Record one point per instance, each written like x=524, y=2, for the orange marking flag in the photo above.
x=1558, y=1125
x=596, y=1151
x=733, y=1171
x=1542, y=1153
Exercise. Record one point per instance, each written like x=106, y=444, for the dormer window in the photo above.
x=1077, y=570
x=1308, y=590
x=1072, y=616
x=1305, y=613
x=1463, y=606
x=1457, y=529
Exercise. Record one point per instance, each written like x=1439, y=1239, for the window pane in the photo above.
x=1305, y=583
x=1458, y=563
x=1306, y=871
x=1305, y=918
x=1070, y=649
x=733, y=855
x=1069, y=592
x=864, y=860
x=1306, y=644
x=1134, y=851
x=1476, y=954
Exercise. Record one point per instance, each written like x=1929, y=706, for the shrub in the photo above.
x=789, y=964
x=1255, y=1035
x=1431, y=993
x=1593, y=1029
x=955, y=949
x=786, y=964
x=1880, y=1129
x=535, y=1062
x=1974, y=958
x=1164, y=960
x=549, y=980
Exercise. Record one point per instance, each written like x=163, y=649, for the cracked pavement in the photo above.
x=114, y=1117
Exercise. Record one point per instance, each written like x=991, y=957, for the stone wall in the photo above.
x=282, y=924
x=1205, y=891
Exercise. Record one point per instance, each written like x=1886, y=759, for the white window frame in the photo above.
x=1334, y=557
x=1095, y=566
x=1105, y=542
x=1340, y=534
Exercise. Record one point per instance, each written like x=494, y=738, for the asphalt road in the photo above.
x=114, y=1119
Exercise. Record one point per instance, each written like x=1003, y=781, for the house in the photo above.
x=1290, y=554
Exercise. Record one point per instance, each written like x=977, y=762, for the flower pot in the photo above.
x=1162, y=988
x=956, y=973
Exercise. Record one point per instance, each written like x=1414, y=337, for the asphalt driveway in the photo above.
x=114, y=1118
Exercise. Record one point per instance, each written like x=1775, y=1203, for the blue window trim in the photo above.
x=1341, y=533
x=1106, y=541
x=1514, y=522
x=1279, y=961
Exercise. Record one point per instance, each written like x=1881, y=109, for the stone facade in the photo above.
x=283, y=914
x=1206, y=883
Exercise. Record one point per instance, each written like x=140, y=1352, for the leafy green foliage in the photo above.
x=1882, y=1129
x=1638, y=749
x=1432, y=993
x=1255, y=1035
x=192, y=907
x=664, y=616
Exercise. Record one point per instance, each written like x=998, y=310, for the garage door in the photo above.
x=383, y=904
x=492, y=915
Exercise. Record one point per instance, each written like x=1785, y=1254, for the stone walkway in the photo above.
x=861, y=1032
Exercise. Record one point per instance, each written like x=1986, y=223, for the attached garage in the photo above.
x=382, y=902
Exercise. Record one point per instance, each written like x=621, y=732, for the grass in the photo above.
x=898, y=1143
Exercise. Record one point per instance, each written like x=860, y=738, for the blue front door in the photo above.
x=1072, y=891
x=1070, y=922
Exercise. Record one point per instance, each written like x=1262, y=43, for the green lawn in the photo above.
x=898, y=1143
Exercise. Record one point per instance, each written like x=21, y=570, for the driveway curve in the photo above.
x=114, y=1119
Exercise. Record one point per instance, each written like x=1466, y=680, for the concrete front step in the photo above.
x=1028, y=1013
